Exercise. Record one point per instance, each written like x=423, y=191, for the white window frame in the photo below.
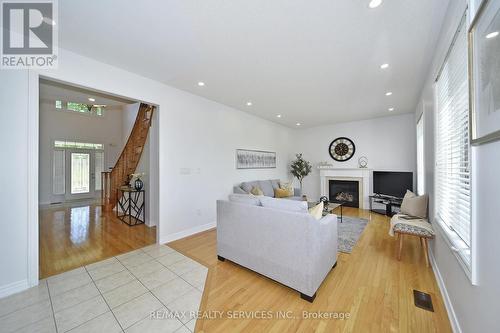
x=421, y=151
x=464, y=253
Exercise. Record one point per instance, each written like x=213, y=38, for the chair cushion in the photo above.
x=412, y=230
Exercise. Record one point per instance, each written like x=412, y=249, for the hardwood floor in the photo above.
x=370, y=284
x=71, y=237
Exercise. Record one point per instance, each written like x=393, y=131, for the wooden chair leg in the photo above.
x=400, y=245
x=426, y=252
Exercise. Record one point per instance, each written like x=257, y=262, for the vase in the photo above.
x=138, y=184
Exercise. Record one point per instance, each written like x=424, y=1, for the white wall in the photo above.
x=389, y=143
x=194, y=134
x=471, y=308
x=57, y=124
x=13, y=181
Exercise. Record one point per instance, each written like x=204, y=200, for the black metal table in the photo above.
x=131, y=203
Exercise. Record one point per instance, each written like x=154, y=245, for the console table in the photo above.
x=131, y=204
x=389, y=202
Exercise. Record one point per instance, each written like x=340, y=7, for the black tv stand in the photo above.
x=388, y=201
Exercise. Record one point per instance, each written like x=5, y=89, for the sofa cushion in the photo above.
x=288, y=205
x=267, y=187
x=414, y=205
x=245, y=199
x=247, y=186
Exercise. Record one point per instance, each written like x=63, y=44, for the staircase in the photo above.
x=129, y=158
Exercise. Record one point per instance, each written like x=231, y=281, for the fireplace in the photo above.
x=344, y=191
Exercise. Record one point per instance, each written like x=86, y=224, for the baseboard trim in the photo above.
x=455, y=326
x=186, y=233
x=13, y=288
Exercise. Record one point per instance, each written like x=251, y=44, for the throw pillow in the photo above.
x=281, y=193
x=256, y=191
x=317, y=211
x=414, y=205
x=288, y=186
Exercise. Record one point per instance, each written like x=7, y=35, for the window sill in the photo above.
x=459, y=249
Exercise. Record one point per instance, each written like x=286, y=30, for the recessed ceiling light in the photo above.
x=492, y=34
x=389, y=93
x=91, y=99
x=384, y=66
x=298, y=124
x=249, y=103
x=375, y=3
x=391, y=109
x=201, y=84
x=278, y=116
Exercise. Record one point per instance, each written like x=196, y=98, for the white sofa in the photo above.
x=292, y=248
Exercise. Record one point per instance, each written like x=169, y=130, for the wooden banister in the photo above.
x=129, y=157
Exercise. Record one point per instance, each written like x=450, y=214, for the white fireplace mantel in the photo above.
x=363, y=176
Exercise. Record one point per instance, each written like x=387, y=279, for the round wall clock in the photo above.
x=342, y=149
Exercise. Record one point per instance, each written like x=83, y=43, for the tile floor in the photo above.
x=119, y=294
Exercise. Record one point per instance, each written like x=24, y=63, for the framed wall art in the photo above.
x=255, y=159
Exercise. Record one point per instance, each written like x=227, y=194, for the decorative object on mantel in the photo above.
x=138, y=183
x=484, y=71
x=300, y=168
x=363, y=162
x=324, y=165
x=342, y=149
x=255, y=159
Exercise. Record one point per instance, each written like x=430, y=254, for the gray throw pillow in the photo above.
x=247, y=186
x=414, y=205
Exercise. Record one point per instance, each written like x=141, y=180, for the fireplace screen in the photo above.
x=344, y=191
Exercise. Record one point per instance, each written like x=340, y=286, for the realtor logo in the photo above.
x=29, y=34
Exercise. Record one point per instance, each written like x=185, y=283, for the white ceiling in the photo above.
x=313, y=62
x=51, y=91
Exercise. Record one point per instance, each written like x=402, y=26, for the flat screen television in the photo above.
x=392, y=183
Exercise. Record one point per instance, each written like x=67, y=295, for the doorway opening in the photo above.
x=83, y=134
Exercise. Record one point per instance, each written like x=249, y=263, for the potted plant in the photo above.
x=300, y=168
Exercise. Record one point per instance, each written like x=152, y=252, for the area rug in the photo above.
x=349, y=231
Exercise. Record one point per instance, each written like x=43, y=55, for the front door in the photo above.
x=80, y=179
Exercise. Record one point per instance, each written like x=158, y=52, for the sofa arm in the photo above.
x=297, y=192
x=238, y=190
x=325, y=249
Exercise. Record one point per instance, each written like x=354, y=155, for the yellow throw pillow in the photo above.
x=256, y=191
x=287, y=187
x=317, y=211
x=281, y=193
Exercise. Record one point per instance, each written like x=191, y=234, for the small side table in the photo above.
x=131, y=203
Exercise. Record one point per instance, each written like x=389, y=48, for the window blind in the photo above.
x=420, y=156
x=453, y=187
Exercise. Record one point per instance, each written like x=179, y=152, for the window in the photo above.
x=420, y=156
x=59, y=172
x=78, y=145
x=96, y=110
x=99, y=168
x=453, y=182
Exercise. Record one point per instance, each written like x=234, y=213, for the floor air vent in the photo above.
x=423, y=300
